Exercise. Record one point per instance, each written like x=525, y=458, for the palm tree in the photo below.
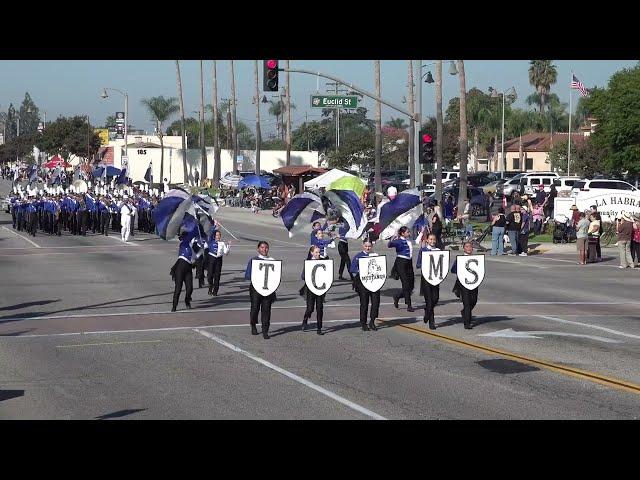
x=184, y=143
x=519, y=122
x=398, y=123
x=161, y=109
x=378, y=137
x=276, y=109
x=542, y=74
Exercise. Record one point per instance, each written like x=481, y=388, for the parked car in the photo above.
x=601, y=186
x=447, y=177
x=508, y=186
x=475, y=196
x=492, y=187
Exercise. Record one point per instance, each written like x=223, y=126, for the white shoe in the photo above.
x=621, y=266
x=523, y=254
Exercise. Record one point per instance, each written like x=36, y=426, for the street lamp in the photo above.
x=428, y=78
x=513, y=95
x=104, y=94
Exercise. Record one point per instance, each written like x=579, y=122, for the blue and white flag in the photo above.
x=351, y=210
x=90, y=201
x=207, y=202
x=402, y=211
x=148, y=176
x=122, y=178
x=104, y=173
x=169, y=214
x=33, y=174
x=302, y=210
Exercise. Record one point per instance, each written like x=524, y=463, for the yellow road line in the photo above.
x=574, y=372
x=111, y=343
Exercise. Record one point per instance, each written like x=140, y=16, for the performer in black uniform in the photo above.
x=365, y=295
x=259, y=304
x=313, y=300
x=469, y=297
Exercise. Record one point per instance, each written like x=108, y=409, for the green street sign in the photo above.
x=334, y=101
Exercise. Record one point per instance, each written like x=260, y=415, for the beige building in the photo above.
x=535, y=151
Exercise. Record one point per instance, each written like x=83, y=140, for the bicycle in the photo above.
x=609, y=235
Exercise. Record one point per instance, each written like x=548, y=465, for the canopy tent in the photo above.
x=111, y=171
x=326, y=179
x=230, y=180
x=255, y=181
x=57, y=161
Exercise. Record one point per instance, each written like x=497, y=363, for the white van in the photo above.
x=601, y=186
x=446, y=177
x=564, y=185
x=532, y=181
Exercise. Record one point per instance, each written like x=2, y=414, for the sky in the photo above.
x=73, y=87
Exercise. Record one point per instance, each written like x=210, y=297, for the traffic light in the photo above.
x=270, y=83
x=426, y=148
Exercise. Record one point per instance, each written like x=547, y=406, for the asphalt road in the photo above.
x=86, y=332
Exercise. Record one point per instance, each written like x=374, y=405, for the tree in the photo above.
x=397, y=123
x=542, y=74
x=68, y=136
x=29, y=116
x=617, y=110
x=517, y=123
x=110, y=121
x=587, y=159
x=160, y=109
x=463, y=136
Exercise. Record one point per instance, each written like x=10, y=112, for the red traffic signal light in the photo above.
x=270, y=78
x=426, y=138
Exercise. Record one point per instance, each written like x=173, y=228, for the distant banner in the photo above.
x=103, y=133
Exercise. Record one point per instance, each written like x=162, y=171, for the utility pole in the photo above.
x=439, y=123
x=258, y=133
x=378, y=144
x=412, y=126
x=306, y=123
x=216, y=143
x=184, y=139
x=416, y=138
x=462, y=195
x=203, y=143
x=288, y=115
x=233, y=113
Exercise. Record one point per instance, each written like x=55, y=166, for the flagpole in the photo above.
x=570, y=113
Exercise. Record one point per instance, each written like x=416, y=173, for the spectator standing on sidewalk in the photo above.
x=594, y=238
x=625, y=235
x=635, y=243
x=537, y=215
x=581, y=234
x=497, y=233
x=525, y=228
x=512, y=227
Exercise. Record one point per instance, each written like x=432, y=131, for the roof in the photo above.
x=538, y=142
x=146, y=145
x=298, y=170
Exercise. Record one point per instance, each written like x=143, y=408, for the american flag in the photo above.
x=575, y=83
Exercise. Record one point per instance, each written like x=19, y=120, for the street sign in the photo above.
x=334, y=101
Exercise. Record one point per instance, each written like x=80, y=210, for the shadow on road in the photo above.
x=120, y=413
x=17, y=306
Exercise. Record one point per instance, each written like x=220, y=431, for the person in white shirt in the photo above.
x=217, y=248
x=126, y=212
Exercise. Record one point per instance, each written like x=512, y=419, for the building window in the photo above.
x=528, y=162
x=516, y=164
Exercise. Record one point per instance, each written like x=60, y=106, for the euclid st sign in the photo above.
x=334, y=101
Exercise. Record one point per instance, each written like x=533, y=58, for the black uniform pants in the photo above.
x=523, y=243
x=213, y=273
x=469, y=299
x=13, y=217
x=404, y=268
x=317, y=302
x=365, y=297
x=431, y=296
x=260, y=305
x=33, y=223
x=200, y=269
x=182, y=275
x=104, y=222
x=345, y=261
x=82, y=218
